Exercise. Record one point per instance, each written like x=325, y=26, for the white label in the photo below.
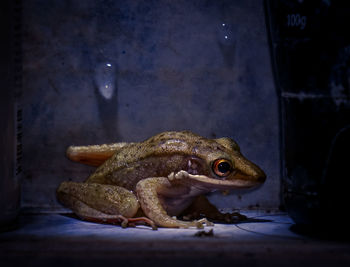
x=296, y=20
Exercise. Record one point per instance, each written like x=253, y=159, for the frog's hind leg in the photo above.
x=87, y=213
x=101, y=203
x=94, y=155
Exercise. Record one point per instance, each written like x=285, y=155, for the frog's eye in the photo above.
x=222, y=167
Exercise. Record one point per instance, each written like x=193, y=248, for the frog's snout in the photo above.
x=248, y=171
x=261, y=177
x=256, y=174
x=255, y=177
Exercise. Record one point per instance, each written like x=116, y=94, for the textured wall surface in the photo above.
x=108, y=71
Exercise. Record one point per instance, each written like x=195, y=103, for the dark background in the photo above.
x=273, y=75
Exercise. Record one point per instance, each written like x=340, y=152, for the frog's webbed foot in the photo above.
x=193, y=223
x=119, y=220
x=201, y=222
x=139, y=220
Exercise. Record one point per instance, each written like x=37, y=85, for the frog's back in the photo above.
x=157, y=156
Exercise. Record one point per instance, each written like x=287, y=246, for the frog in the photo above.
x=154, y=181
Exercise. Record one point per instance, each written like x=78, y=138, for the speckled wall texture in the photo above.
x=107, y=71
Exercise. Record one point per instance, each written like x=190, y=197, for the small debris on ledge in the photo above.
x=204, y=233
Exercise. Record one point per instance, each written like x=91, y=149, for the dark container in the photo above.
x=310, y=51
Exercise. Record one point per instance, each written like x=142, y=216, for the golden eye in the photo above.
x=222, y=167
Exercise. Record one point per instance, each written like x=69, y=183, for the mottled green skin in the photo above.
x=144, y=168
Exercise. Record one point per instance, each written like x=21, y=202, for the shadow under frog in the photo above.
x=156, y=180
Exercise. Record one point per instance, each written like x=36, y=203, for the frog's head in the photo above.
x=227, y=168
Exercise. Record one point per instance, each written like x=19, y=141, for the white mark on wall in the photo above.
x=105, y=79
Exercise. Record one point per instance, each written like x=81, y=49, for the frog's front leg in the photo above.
x=101, y=203
x=201, y=206
x=148, y=191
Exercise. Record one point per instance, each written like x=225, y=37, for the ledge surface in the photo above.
x=56, y=240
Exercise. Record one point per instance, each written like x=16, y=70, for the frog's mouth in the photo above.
x=257, y=177
x=233, y=183
x=237, y=180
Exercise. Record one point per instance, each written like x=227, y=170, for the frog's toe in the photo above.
x=178, y=175
x=181, y=174
x=122, y=221
x=171, y=176
x=206, y=222
x=201, y=223
x=142, y=220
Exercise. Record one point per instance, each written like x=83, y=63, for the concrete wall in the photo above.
x=107, y=71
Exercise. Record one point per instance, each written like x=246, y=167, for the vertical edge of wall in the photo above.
x=10, y=77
